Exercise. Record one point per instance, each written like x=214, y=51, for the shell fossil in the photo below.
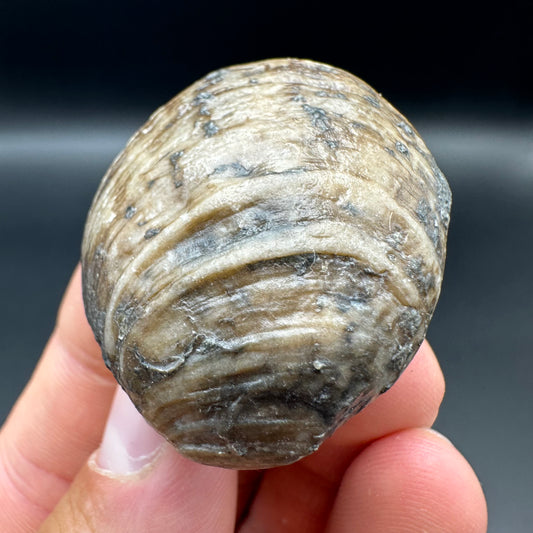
x=263, y=259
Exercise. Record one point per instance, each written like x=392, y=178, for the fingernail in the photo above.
x=129, y=443
x=440, y=436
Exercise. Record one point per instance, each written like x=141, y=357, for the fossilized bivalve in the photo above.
x=263, y=259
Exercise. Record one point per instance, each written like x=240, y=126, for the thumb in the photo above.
x=136, y=482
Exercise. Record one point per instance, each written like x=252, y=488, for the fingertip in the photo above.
x=170, y=494
x=129, y=444
x=414, y=480
x=433, y=370
x=72, y=326
x=138, y=482
x=421, y=385
x=413, y=401
x=58, y=420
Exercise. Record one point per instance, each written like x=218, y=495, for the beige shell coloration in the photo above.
x=263, y=259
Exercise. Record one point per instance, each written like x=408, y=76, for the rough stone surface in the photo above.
x=263, y=259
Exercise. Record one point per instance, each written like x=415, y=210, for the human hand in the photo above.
x=383, y=471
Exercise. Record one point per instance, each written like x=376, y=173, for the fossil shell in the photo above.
x=263, y=259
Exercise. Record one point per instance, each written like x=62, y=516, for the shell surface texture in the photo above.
x=263, y=259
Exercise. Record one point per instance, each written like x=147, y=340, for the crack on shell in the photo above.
x=424, y=280
x=319, y=118
x=210, y=128
x=152, y=233
x=406, y=128
x=402, y=149
x=235, y=169
x=130, y=211
x=372, y=100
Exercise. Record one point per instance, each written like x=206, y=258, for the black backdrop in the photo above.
x=71, y=52
x=77, y=78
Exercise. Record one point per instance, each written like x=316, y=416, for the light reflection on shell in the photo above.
x=263, y=259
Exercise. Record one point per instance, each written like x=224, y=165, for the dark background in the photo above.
x=77, y=78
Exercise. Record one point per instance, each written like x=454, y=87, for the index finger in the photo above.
x=304, y=492
x=57, y=421
x=413, y=402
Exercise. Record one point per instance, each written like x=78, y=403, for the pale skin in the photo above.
x=383, y=471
